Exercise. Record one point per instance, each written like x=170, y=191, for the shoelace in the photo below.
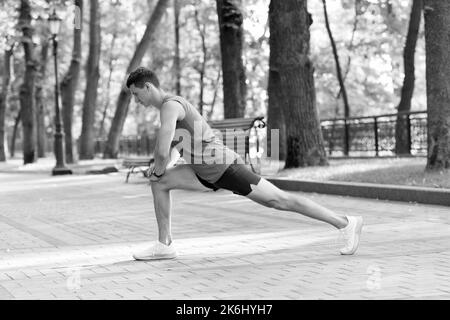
x=154, y=249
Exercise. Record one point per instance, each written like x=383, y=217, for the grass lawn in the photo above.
x=396, y=171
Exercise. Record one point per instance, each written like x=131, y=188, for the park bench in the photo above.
x=231, y=130
x=140, y=164
x=238, y=129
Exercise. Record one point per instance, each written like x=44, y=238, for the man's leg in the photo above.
x=267, y=194
x=180, y=177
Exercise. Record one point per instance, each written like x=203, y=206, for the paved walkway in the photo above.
x=72, y=238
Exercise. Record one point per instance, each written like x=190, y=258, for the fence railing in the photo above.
x=374, y=135
x=130, y=146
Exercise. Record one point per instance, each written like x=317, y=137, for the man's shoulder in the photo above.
x=171, y=107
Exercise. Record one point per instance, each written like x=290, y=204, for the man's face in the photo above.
x=143, y=95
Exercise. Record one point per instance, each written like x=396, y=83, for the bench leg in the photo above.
x=256, y=170
x=130, y=171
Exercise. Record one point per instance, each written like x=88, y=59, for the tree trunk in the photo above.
x=102, y=132
x=27, y=89
x=69, y=86
x=87, y=138
x=14, y=135
x=351, y=45
x=437, y=31
x=402, y=143
x=338, y=64
x=231, y=42
x=291, y=70
x=4, y=101
x=340, y=77
x=123, y=102
x=202, y=68
x=177, y=60
x=40, y=101
x=216, y=91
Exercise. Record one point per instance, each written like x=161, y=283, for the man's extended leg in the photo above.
x=180, y=177
x=267, y=194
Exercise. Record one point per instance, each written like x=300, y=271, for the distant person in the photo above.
x=206, y=169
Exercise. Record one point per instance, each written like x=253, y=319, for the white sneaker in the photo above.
x=158, y=251
x=351, y=235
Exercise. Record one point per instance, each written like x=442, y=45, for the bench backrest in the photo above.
x=136, y=162
x=236, y=132
x=237, y=123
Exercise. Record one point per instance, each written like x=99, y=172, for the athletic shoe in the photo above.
x=158, y=251
x=351, y=235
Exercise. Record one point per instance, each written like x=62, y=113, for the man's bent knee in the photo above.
x=161, y=184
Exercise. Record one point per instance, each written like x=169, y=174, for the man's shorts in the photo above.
x=237, y=178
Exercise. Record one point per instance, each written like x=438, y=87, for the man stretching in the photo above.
x=211, y=166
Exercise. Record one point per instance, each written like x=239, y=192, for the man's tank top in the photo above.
x=199, y=146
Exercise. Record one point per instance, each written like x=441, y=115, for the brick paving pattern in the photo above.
x=72, y=238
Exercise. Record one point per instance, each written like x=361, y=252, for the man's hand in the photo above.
x=153, y=178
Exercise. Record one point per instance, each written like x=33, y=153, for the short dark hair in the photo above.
x=140, y=76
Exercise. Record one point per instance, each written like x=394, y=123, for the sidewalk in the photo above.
x=45, y=166
x=72, y=238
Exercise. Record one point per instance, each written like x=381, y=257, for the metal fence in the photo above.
x=374, y=136
x=130, y=146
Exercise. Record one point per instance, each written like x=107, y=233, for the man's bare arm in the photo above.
x=171, y=112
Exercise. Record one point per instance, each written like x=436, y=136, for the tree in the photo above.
x=123, y=102
x=27, y=90
x=291, y=70
x=87, y=139
x=177, y=60
x=4, y=99
x=231, y=42
x=69, y=85
x=107, y=99
x=40, y=99
x=201, y=68
x=402, y=142
x=437, y=31
x=340, y=77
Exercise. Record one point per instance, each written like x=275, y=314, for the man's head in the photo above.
x=144, y=85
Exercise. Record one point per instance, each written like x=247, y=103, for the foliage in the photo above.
x=374, y=78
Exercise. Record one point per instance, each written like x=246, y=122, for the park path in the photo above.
x=72, y=238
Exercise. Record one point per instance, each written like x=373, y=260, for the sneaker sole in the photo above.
x=153, y=258
x=358, y=230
